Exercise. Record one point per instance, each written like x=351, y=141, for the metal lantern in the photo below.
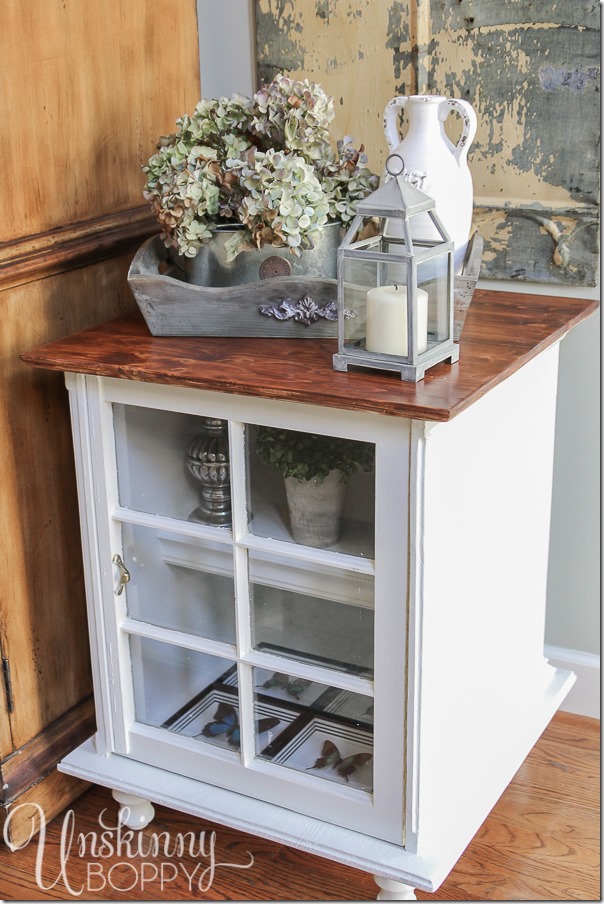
x=395, y=293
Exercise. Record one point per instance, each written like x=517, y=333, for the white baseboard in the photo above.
x=584, y=697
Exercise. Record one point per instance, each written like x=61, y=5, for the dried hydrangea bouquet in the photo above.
x=265, y=163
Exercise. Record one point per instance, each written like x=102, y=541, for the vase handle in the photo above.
x=468, y=129
x=391, y=131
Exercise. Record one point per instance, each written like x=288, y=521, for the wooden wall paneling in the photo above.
x=43, y=627
x=38, y=757
x=48, y=253
x=92, y=87
x=55, y=792
x=6, y=740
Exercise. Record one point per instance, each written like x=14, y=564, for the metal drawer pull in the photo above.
x=124, y=574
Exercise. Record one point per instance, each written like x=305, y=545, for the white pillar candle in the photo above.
x=386, y=320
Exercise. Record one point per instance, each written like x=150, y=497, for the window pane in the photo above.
x=162, y=458
x=328, y=733
x=305, y=624
x=311, y=489
x=179, y=583
x=175, y=688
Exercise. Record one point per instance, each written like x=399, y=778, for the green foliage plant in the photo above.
x=308, y=456
x=266, y=165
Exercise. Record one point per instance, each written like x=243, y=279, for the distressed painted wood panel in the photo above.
x=358, y=50
x=530, y=68
x=532, y=71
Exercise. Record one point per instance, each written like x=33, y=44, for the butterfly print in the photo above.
x=226, y=722
x=331, y=758
x=293, y=686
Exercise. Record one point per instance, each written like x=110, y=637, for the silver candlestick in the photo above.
x=208, y=461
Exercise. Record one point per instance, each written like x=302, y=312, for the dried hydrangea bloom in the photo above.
x=346, y=180
x=264, y=163
x=294, y=116
x=283, y=205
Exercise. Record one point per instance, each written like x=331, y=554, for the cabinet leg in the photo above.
x=135, y=812
x=391, y=890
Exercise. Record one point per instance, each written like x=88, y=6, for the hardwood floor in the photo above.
x=540, y=843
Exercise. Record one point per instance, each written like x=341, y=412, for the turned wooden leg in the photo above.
x=135, y=812
x=391, y=890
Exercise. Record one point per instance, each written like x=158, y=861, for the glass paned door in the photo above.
x=169, y=464
x=247, y=649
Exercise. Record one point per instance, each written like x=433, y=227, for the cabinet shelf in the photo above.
x=267, y=659
x=269, y=569
x=177, y=526
x=269, y=520
x=271, y=659
x=139, y=628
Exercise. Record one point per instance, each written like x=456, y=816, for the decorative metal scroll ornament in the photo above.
x=305, y=310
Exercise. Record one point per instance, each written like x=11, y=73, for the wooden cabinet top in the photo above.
x=502, y=332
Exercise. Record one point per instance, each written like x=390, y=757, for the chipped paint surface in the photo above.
x=342, y=45
x=529, y=67
x=551, y=79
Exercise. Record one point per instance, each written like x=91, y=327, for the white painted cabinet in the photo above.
x=369, y=701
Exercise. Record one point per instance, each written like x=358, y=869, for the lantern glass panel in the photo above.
x=433, y=277
x=375, y=293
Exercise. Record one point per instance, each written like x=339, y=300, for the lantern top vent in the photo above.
x=396, y=197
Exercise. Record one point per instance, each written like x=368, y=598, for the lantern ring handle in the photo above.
x=395, y=165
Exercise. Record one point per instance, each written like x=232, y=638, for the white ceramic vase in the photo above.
x=436, y=165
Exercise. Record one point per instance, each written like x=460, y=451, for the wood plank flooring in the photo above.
x=540, y=843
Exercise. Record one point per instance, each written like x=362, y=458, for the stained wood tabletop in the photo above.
x=503, y=331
